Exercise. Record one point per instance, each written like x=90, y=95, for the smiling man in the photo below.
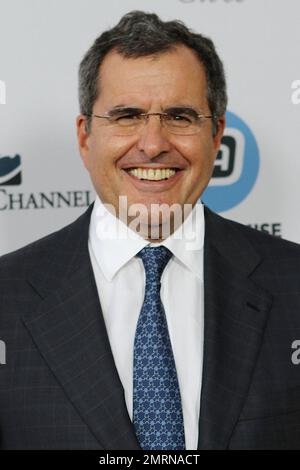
x=150, y=135
x=139, y=326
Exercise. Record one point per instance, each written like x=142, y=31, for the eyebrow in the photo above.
x=116, y=110
x=182, y=110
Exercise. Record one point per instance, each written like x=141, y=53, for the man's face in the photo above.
x=152, y=84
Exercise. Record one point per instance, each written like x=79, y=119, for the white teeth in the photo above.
x=151, y=174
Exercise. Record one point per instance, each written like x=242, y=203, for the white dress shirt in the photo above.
x=120, y=280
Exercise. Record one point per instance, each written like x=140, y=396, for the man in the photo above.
x=140, y=338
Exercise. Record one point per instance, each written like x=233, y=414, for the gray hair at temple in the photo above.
x=141, y=34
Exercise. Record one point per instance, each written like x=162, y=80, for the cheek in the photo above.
x=199, y=153
x=106, y=151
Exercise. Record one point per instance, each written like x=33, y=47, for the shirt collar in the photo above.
x=114, y=244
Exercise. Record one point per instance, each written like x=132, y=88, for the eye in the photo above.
x=179, y=119
x=126, y=119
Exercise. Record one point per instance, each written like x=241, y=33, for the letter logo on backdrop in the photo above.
x=236, y=167
x=10, y=170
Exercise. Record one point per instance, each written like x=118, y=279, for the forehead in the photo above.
x=173, y=77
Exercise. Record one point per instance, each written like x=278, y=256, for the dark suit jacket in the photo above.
x=60, y=389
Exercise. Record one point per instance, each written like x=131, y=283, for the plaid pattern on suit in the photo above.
x=59, y=388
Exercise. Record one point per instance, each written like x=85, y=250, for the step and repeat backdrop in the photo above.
x=43, y=184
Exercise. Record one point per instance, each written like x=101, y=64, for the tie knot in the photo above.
x=155, y=259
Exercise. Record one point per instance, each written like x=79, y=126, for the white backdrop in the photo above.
x=41, y=45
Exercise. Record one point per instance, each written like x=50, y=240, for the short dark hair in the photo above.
x=141, y=34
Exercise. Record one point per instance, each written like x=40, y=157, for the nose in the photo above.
x=153, y=138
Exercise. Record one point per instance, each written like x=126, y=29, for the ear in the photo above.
x=83, y=139
x=221, y=124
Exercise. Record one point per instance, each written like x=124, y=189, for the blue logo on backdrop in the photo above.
x=236, y=167
x=10, y=170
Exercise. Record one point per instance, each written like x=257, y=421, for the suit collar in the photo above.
x=230, y=243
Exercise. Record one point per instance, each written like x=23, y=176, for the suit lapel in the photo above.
x=69, y=330
x=236, y=312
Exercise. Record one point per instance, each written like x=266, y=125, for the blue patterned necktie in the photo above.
x=157, y=411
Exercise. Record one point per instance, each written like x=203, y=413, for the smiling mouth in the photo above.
x=151, y=174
